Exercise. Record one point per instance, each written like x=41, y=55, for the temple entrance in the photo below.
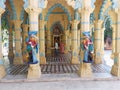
x=57, y=36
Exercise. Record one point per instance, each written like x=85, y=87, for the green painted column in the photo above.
x=75, y=59
x=116, y=67
x=18, y=43
x=2, y=68
x=11, y=53
x=42, y=42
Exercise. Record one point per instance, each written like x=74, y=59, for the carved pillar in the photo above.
x=42, y=42
x=98, y=37
x=116, y=67
x=113, y=40
x=11, y=54
x=66, y=41
x=85, y=68
x=34, y=70
x=75, y=59
x=2, y=68
x=18, y=43
x=78, y=41
x=24, y=45
x=48, y=41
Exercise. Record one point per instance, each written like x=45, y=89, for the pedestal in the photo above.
x=75, y=60
x=42, y=60
x=2, y=71
x=85, y=70
x=116, y=67
x=34, y=71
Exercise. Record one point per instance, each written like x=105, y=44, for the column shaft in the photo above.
x=116, y=67
x=48, y=42
x=11, y=54
x=75, y=59
x=18, y=43
x=98, y=41
x=24, y=45
x=42, y=42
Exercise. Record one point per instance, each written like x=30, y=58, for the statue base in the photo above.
x=34, y=71
x=85, y=70
x=2, y=71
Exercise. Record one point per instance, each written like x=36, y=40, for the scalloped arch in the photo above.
x=60, y=25
x=60, y=6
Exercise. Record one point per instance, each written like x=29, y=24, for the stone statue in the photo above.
x=32, y=48
x=87, y=47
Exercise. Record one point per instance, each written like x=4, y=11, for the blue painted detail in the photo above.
x=85, y=22
x=115, y=4
x=25, y=3
x=56, y=23
x=117, y=38
x=22, y=14
x=107, y=20
x=33, y=22
x=42, y=54
x=100, y=15
x=76, y=15
x=92, y=18
x=57, y=13
x=115, y=60
x=1, y=62
x=60, y=6
x=2, y=3
x=40, y=16
x=17, y=54
x=33, y=32
x=98, y=54
x=14, y=17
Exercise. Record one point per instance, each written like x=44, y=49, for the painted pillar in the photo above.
x=18, y=43
x=113, y=40
x=48, y=42
x=11, y=53
x=2, y=68
x=116, y=67
x=42, y=42
x=98, y=37
x=85, y=68
x=66, y=41
x=24, y=45
x=33, y=11
x=78, y=42
x=75, y=59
